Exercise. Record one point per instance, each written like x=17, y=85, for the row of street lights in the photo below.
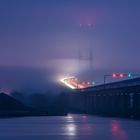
x=119, y=75
x=73, y=80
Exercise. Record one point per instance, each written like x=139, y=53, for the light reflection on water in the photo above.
x=70, y=116
x=86, y=129
x=117, y=131
x=71, y=127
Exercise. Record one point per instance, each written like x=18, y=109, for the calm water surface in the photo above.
x=72, y=127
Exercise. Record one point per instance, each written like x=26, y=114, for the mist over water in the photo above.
x=43, y=79
x=26, y=79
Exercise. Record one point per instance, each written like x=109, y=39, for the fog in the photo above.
x=40, y=41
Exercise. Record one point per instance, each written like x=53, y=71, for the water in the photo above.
x=72, y=127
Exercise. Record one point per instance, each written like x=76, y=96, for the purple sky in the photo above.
x=47, y=34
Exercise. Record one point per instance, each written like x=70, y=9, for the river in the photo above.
x=71, y=127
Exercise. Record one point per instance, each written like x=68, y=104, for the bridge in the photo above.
x=120, y=99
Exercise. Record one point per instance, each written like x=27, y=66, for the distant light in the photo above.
x=121, y=75
x=80, y=25
x=129, y=75
x=88, y=83
x=93, y=83
x=114, y=75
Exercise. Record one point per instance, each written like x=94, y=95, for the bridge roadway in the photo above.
x=121, y=101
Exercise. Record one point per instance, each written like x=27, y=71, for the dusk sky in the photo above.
x=48, y=34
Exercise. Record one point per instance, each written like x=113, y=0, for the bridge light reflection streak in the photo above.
x=71, y=129
x=72, y=83
x=67, y=84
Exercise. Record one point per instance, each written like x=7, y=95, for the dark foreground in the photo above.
x=71, y=127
